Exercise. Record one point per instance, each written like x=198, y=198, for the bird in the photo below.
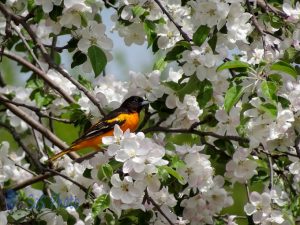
x=126, y=116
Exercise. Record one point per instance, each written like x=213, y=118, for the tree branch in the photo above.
x=257, y=26
x=2, y=200
x=183, y=34
x=2, y=83
x=297, y=142
x=36, y=125
x=33, y=159
x=197, y=132
x=37, y=110
x=46, y=175
x=40, y=73
x=83, y=188
x=16, y=29
x=149, y=199
x=267, y=7
x=30, y=181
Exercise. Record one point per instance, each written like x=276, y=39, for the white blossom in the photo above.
x=241, y=168
x=125, y=190
x=47, y=5
x=261, y=210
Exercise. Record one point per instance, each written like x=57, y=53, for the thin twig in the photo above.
x=183, y=34
x=79, y=86
x=16, y=29
x=57, y=48
x=83, y=188
x=46, y=175
x=2, y=83
x=53, y=45
x=267, y=7
x=33, y=159
x=106, y=2
x=254, y=20
x=36, y=125
x=197, y=132
x=30, y=14
x=36, y=110
x=87, y=156
x=30, y=181
x=3, y=206
x=148, y=198
x=257, y=26
x=23, y=168
x=297, y=142
x=270, y=161
x=36, y=140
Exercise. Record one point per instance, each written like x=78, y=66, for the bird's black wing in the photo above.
x=106, y=124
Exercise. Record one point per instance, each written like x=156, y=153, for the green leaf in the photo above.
x=290, y=54
x=269, y=89
x=173, y=85
x=284, y=67
x=276, y=22
x=149, y=28
x=56, y=12
x=45, y=202
x=20, y=47
x=269, y=108
x=97, y=58
x=84, y=19
x=78, y=59
x=201, y=34
x=105, y=172
x=205, y=93
x=38, y=15
x=232, y=96
x=191, y=86
x=86, y=83
x=176, y=51
x=285, y=103
x=275, y=78
x=30, y=4
x=173, y=173
x=72, y=44
x=110, y=219
x=115, y=164
x=176, y=162
x=41, y=98
x=232, y=65
x=160, y=64
x=19, y=215
x=138, y=11
x=34, y=82
x=101, y=203
x=225, y=145
x=213, y=41
x=57, y=58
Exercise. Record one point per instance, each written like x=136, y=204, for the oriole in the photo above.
x=126, y=116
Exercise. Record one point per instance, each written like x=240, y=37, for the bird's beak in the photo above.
x=145, y=103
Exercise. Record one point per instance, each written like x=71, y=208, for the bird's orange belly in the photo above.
x=131, y=123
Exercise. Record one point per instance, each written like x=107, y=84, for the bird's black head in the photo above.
x=134, y=103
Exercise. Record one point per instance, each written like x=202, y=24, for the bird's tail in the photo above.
x=60, y=154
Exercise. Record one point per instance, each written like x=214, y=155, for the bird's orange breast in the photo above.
x=131, y=123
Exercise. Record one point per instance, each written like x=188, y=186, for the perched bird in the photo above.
x=126, y=116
